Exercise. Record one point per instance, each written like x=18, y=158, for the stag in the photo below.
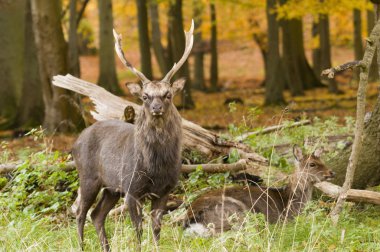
x=140, y=161
x=212, y=211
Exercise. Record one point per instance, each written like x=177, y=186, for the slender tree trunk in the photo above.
x=199, y=78
x=158, y=48
x=60, y=112
x=11, y=59
x=31, y=107
x=214, y=50
x=74, y=67
x=177, y=38
x=324, y=41
x=81, y=11
x=274, y=83
x=107, y=71
x=373, y=72
x=317, y=66
x=358, y=43
x=145, y=56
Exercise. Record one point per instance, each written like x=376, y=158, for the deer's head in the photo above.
x=157, y=96
x=311, y=166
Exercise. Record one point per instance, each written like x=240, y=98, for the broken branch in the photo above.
x=330, y=73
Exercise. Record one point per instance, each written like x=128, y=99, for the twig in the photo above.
x=330, y=73
x=271, y=129
x=359, y=126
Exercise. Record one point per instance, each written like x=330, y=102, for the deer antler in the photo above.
x=189, y=44
x=121, y=56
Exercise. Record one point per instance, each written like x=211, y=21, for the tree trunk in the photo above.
x=274, y=83
x=107, y=71
x=214, y=50
x=60, y=112
x=158, y=49
x=299, y=74
x=12, y=15
x=324, y=41
x=74, y=67
x=199, y=78
x=31, y=107
x=373, y=72
x=358, y=44
x=177, y=38
x=367, y=173
x=144, y=43
x=317, y=67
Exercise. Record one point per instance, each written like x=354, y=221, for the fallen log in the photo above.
x=271, y=129
x=354, y=195
x=242, y=164
x=109, y=106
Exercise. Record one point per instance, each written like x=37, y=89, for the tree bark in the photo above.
x=74, y=67
x=274, y=83
x=60, y=112
x=358, y=44
x=144, y=42
x=107, y=72
x=31, y=109
x=159, y=51
x=199, y=78
x=214, y=50
x=177, y=38
x=316, y=56
x=11, y=59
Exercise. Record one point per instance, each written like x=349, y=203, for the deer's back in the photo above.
x=104, y=152
x=218, y=205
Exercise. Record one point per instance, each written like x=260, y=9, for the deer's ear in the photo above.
x=178, y=85
x=297, y=152
x=318, y=152
x=135, y=89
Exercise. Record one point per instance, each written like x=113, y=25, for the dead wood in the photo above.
x=272, y=129
x=354, y=195
x=109, y=106
x=330, y=73
x=242, y=164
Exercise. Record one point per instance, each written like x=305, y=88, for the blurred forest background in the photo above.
x=250, y=53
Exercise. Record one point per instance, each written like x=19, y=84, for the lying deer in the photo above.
x=137, y=161
x=215, y=208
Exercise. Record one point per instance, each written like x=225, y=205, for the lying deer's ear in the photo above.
x=297, y=152
x=318, y=152
x=135, y=89
x=178, y=85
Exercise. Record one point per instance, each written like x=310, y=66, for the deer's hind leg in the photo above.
x=87, y=197
x=99, y=214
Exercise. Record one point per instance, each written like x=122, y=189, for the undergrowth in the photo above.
x=34, y=204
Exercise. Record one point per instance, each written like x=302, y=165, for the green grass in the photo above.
x=24, y=226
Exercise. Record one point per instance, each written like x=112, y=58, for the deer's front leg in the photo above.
x=135, y=212
x=157, y=211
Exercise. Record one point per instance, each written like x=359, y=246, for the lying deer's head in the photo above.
x=157, y=96
x=311, y=165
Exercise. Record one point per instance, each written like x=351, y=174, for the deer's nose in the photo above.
x=332, y=174
x=157, y=109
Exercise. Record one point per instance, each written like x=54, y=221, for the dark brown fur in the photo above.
x=140, y=161
x=216, y=207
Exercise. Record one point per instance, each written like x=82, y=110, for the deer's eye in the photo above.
x=312, y=165
x=145, y=97
x=168, y=96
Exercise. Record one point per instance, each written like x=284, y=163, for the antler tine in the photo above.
x=189, y=44
x=121, y=56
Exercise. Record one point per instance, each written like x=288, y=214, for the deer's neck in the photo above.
x=299, y=192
